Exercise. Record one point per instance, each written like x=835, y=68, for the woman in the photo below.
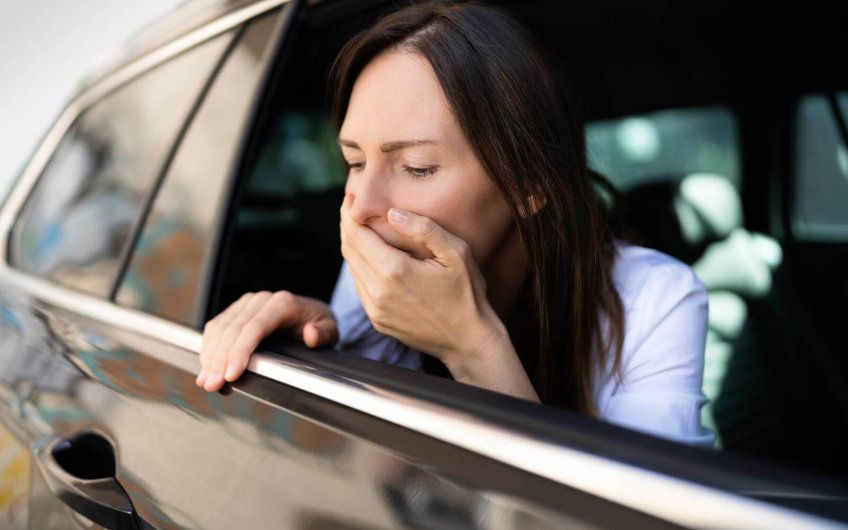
x=472, y=232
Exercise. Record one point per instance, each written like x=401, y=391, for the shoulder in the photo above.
x=666, y=310
x=665, y=314
x=644, y=273
x=653, y=286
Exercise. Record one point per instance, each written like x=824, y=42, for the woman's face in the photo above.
x=406, y=150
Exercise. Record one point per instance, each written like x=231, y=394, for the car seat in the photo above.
x=761, y=385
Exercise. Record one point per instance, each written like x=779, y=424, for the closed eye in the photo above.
x=356, y=166
x=420, y=172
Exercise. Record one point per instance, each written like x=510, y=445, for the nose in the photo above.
x=370, y=195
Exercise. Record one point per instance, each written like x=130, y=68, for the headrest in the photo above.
x=681, y=215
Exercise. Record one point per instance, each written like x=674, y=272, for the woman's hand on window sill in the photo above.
x=231, y=337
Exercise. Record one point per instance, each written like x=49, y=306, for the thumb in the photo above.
x=424, y=231
x=320, y=333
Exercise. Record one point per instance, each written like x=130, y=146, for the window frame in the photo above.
x=138, y=226
x=208, y=258
x=24, y=190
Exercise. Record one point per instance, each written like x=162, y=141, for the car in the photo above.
x=202, y=165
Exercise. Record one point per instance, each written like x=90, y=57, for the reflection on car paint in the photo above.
x=163, y=278
x=15, y=469
x=154, y=508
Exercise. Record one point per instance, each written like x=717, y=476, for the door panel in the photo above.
x=25, y=357
x=15, y=476
x=267, y=455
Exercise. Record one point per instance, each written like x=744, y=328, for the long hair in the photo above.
x=513, y=109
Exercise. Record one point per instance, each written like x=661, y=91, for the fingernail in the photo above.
x=398, y=215
x=230, y=373
x=201, y=377
x=213, y=379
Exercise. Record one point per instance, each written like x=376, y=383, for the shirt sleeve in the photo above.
x=663, y=362
x=356, y=333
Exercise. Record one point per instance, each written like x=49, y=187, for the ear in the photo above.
x=537, y=201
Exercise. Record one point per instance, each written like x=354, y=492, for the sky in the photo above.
x=46, y=49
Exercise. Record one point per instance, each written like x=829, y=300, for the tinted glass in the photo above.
x=821, y=171
x=74, y=226
x=167, y=268
x=664, y=145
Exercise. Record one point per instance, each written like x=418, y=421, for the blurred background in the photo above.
x=46, y=50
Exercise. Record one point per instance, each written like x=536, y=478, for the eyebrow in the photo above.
x=390, y=146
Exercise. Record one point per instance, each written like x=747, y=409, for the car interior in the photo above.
x=725, y=136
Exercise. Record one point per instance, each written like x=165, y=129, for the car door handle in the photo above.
x=80, y=471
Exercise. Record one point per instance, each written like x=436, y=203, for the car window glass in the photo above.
x=168, y=264
x=821, y=170
x=663, y=145
x=74, y=225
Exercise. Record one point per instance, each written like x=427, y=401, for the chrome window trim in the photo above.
x=93, y=93
x=669, y=498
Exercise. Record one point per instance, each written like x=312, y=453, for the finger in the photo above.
x=370, y=245
x=319, y=333
x=362, y=263
x=212, y=329
x=365, y=250
x=212, y=334
x=215, y=380
x=361, y=286
x=362, y=276
x=445, y=246
x=280, y=309
x=229, y=333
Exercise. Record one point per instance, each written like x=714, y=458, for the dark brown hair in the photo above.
x=512, y=108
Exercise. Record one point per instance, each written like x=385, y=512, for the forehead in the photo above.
x=397, y=93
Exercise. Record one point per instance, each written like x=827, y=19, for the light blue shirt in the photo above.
x=665, y=311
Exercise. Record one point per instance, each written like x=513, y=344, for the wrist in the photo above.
x=493, y=364
x=487, y=338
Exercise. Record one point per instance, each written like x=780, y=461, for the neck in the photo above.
x=505, y=274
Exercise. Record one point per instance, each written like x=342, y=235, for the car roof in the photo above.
x=184, y=19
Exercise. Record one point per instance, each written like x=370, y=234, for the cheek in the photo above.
x=477, y=214
x=485, y=229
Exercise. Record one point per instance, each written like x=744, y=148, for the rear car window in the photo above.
x=665, y=145
x=74, y=226
x=170, y=260
x=820, y=210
